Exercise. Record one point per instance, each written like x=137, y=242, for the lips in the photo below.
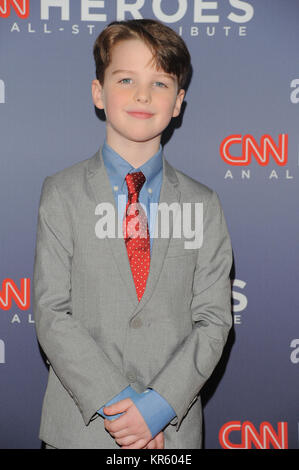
x=140, y=114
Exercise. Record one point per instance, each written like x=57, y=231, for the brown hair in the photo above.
x=169, y=51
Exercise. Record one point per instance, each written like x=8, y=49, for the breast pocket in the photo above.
x=177, y=248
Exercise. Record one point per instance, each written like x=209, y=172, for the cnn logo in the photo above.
x=10, y=292
x=249, y=437
x=21, y=8
x=250, y=147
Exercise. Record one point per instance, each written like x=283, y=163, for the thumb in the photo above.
x=118, y=407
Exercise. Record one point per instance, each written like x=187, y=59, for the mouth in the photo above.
x=140, y=114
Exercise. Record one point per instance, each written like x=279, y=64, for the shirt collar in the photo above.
x=117, y=167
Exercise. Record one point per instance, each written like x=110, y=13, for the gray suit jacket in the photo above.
x=96, y=335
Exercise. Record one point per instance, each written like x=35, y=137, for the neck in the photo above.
x=135, y=153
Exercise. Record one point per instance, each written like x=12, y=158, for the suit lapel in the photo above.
x=169, y=194
x=102, y=192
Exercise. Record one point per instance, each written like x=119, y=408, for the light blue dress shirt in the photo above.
x=155, y=410
x=117, y=169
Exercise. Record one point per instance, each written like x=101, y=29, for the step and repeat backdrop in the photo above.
x=239, y=134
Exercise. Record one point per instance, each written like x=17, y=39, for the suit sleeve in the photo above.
x=78, y=361
x=194, y=360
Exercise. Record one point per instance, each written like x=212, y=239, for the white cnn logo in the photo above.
x=2, y=92
x=2, y=352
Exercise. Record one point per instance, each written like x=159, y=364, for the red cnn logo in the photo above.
x=21, y=7
x=260, y=152
x=250, y=437
x=20, y=296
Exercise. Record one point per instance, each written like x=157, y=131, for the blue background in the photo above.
x=240, y=85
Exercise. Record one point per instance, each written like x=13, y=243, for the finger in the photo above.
x=151, y=445
x=137, y=423
x=160, y=445
x=116, y=425
x=127, y=440
x=160, y=440
x=122, y=433
x=118, y=407
x=137, y=445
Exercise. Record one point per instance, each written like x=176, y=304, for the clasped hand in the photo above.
x=130, y=430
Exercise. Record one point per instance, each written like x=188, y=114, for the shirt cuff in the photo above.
x=155, y=410
x=128, y=392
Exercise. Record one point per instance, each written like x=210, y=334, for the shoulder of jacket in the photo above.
x=70, y=178
x=195, y=189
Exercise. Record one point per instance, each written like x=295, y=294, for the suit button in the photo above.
x=131, y=377
x=136, y=323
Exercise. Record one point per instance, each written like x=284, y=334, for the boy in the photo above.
x=135, y=322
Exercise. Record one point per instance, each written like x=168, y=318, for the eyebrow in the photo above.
x=121, y=71
x=166, y=75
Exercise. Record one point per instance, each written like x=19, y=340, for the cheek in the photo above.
x=167, y=104
x=110, y=102
x=167, y=107
x=114, y=101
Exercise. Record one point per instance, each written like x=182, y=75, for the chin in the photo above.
x=143, y=137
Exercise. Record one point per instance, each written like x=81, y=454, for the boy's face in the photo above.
x=138, y=100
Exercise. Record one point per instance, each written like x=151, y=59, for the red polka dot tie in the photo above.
x=136, y=233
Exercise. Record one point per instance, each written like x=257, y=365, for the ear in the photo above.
x=178, y=103
x=97, y=94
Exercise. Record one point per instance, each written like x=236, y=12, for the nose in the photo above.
x=143, y=95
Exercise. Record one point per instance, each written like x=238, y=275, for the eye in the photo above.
x=161, y=85
x=125, y=81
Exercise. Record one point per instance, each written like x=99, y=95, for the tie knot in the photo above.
x=135, y=181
